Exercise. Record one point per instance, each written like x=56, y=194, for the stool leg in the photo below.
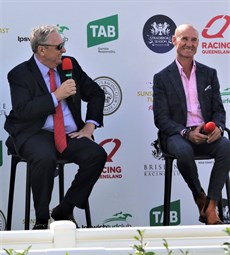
x=227, y=185
x=87, y=215
x=28, y=195
x=61, y=181
x=14, y=162
x=167, y=190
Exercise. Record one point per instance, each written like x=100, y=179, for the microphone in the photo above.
x=208, y=128
x=67, y=67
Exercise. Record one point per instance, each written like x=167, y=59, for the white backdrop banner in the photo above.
x=120, y=44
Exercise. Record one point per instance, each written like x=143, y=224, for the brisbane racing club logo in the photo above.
x=158, y=32
x=113, y=95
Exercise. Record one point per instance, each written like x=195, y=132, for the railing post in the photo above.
x=64, y=234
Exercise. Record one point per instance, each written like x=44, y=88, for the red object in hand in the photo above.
x=209, y=127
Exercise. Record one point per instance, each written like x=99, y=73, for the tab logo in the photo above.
x=156, y=215
x=102, y=31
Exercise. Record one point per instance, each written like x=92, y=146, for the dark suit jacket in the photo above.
x=169, y=101
x=32, y=102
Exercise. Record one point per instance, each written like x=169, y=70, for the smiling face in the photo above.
x=186, y=42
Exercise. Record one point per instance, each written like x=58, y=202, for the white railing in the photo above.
x=63, y=237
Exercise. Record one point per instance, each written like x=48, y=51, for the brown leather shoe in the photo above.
x=209, y=213
x=200, y=202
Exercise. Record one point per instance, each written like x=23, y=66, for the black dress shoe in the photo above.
x=40, y=226
x=58, y=214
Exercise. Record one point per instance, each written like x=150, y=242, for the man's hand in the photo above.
x=67, y=88
x=196, y=137
x=86, y=131
x=214, y=136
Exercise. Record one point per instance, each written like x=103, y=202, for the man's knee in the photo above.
x=224, y=147
x=100, y=154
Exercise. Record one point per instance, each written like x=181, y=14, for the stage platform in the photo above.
x=63, y=238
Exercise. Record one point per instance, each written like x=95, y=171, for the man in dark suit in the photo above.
x=31, y=123
x=186, y=95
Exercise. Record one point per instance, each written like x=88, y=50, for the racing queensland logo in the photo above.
x=215, y=35
x=158, y=32
x=102, y=31
x=113, y=95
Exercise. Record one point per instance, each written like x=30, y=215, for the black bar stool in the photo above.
x=15, y=159
x=168, y=182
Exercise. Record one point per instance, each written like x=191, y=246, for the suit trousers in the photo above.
x=39, y=150
x=184, y=151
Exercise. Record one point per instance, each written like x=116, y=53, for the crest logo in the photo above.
x=158, y=32
x=113, y=95
x=226, y=212
x=2, y=221
x=156, y=152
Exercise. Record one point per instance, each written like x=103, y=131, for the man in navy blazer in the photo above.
x=186, y=96
x=31, y=124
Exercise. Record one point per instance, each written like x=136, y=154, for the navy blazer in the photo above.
x=32, y=102
x=169, y=101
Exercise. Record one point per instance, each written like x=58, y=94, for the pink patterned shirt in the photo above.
x=194, y=115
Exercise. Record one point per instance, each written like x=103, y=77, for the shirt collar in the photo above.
x=43, y=68
x=180, y=68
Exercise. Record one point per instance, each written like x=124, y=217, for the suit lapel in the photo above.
x=177, y=84
x=200, y=80
x=36, y=74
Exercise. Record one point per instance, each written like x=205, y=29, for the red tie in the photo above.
x=59, y=129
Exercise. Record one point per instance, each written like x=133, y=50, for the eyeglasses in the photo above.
x=58, y=47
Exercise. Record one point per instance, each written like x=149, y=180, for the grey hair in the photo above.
x=40, y=35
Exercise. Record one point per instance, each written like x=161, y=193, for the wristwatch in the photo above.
x=221, y=130
x=185, y=132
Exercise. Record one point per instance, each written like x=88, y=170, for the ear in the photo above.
x=40, y=50
x=174, y=40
